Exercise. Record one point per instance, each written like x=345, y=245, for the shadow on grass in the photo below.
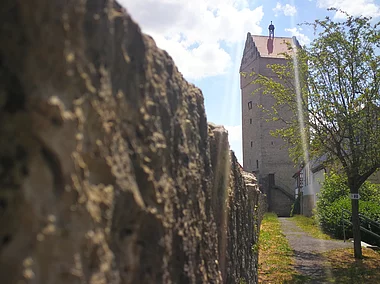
x=337, y=266
x=298, y=279
x=356, y=272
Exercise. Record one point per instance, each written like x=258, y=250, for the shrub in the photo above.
x=335, y=187
x=334, y=197
x=330, y=216
x=370, y=192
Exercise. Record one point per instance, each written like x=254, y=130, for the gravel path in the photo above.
x=307, y=249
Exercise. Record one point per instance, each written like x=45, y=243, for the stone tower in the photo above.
x=264, y=154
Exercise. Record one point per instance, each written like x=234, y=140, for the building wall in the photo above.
x=262, y=152
x=310, y=191
x=312, y=184
x=281, y=204
x=308, y=204
x=251, y=124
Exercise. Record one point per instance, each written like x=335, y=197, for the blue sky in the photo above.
x=206, y=40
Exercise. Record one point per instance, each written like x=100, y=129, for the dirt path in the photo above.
x=307, y=251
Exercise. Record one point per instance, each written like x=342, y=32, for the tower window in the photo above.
x=251, y=143
x=257, y=163
x=250, y=121
x=250, y=105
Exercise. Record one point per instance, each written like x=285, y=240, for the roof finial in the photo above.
x=271, y=30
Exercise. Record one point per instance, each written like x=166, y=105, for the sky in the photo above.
x=206, y=40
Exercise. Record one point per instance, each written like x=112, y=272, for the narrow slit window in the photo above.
x=251, y=143
x=250, y=121
x=257, y=163
x=250, y=105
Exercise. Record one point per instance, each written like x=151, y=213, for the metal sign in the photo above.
x=354, y=196
x=300, y=179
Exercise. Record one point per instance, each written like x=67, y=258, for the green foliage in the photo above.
x=335, y=186
x=331, y=88
x=330, y=217
x=275, y=255
x=369, y=191
x=242, y=281
x=255, y=248
x=310, y=225
x=334, y=197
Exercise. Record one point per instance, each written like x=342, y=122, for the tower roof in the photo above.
x=272, y=47
x=258, y=46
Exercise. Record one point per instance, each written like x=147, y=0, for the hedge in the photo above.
x=334, y=197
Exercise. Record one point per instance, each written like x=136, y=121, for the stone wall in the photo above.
x=109, y=172
x=245, y=203
x=238, y=207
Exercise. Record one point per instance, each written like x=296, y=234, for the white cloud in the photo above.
x=303, y=39
x=192, y=32
x=287, y=9
x=367, y=8
x=235, y=139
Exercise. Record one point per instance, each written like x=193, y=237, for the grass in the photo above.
x=310, y=226
x=342, y=266
x=276, y=263
x=345, y=269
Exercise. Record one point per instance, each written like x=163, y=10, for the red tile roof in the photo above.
x=271, y=47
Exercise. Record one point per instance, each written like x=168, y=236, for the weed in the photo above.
x=310, y=226
x=275, y=256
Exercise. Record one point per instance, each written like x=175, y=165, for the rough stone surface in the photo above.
x=262, y=206
x=221, y=166
x=243, y=226
x=238, y=207
x=106, y=174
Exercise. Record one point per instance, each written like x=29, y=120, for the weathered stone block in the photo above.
x=105, y=167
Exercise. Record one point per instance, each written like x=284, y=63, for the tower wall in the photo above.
x=263, y=153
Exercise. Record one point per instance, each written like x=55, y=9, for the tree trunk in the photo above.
x=356, y=228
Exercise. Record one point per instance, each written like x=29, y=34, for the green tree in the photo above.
x=332, y=88
x=335, y=187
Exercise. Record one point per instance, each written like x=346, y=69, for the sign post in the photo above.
x=354, y=196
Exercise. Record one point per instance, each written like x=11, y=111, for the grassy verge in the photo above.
x=276, y=264
x=275, y=255
x=340, y=265
x=310, y=226
x=345, y=269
